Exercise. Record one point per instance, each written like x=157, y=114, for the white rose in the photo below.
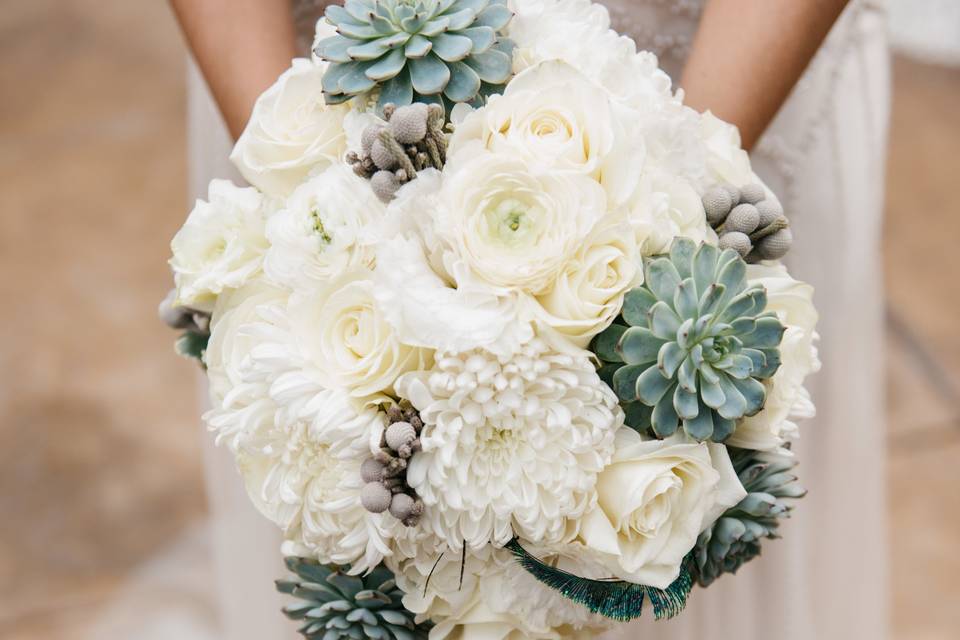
x=323, y=230
x=726, y=159
x=578, y=32
x=787, y=399
x=666, y=207
x=229, y=345
x=553, y=116
x=345, y=336
x=588, y=293
x=292, y=132
x=513, y=227
x=653, y=500
x=220, y=246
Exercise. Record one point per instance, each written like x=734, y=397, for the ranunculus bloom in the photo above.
x=323, y=230
x=292, y=132
x=512, y=226
x=653, y=500
x=220, y=246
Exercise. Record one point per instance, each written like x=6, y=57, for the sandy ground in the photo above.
x=101, y=496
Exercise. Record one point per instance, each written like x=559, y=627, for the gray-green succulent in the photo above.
x=445, y=51
x=735, y=538
x=693, y=344
x=335, y=605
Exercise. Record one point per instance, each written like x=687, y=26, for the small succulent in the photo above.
x=195, y=325
x=748, y=222
x=385, y=473
x=411, y=140
x=692, y=345
x=335, y=605
x=735, y=538
x=416, y=50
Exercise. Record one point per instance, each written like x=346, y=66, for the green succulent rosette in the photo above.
x=445, y=51
x=693, y=344
x=735, y=538
x=334, y=605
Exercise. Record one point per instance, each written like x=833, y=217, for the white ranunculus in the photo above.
x=292, y=132
x=726, y=159
x=515, y=228
x=666, y=207
x=220, y=246
x=324, y=230
x=787, y=399
x=230, y=344
x=345, y=337
x=578, y=32
x=588, y=293
x=553, y=116
x=654, y=499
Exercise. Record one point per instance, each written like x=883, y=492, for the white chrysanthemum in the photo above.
x=495, y=595
x=220, y=246
x=787, y=399
x=554, y=116
x=311, y=490
x=512, y=226
x=588, y=293
x=578, y=32
x=510, y=446
x=298, y=446
x=323, y=230
x=292, y=132
x=343, y=334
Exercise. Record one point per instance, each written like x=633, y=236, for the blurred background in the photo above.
x=102, y=507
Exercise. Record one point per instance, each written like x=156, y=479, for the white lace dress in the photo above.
x=824, y=156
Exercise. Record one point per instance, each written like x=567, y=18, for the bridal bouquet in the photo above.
x=499, y=336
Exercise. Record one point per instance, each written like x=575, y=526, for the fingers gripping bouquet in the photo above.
x=498, y=336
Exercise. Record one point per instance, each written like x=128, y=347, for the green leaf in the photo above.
x=700, y=426
x=685, y=403
x=652, y=385
x=636, y=306
x=639, y=346
x=664, y=418
x=464, y=83
x=398, y=90
x=417, y=47
x=495, y=16
x=482, y=38
x=429, y=75
x=625, y=381
x=492, y=66
x=662, y=279
x=664, y=323
x=605, y=345
x=753, y=392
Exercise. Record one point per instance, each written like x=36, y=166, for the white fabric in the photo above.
x=824, y=156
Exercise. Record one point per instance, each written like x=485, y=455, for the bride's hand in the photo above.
x=241, y=47
x=748, y=55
